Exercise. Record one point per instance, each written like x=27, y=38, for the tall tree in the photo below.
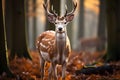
x=18, y=31
x=113, y=27
x=34, y=24
x=102, y=24
x=31, y=22
x=81, y=20
x=4, y=66
x=8, y=22
x=56, y=7
x=69, y=26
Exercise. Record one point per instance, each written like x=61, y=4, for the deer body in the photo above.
x=54, y=46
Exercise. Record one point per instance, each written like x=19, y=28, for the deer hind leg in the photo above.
x=50, y=73
x=42, y=62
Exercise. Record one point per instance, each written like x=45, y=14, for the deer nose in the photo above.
x=60, y=29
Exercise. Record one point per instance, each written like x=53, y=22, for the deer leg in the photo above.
x=50, y=73
x=63, y=71
x=54, y=71
x=42, y=62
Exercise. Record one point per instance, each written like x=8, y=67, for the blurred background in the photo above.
x=87, y=32
x=94, y=29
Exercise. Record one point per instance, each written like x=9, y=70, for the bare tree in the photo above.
x=113, y=27
x=81, y=20
x=18, y=28
x=56, y=7
x=102, y=24
x=4, y=66
x=31, y=21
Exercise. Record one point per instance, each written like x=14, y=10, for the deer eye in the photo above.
x=55, y=22
x=65, y=22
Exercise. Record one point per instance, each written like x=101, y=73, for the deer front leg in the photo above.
x=63, y=70
x=42, y=62
x=54, y=68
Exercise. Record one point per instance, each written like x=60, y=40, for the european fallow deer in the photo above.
x=54, y=46
x=92, y=44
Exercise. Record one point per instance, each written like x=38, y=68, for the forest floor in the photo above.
x=96, y=69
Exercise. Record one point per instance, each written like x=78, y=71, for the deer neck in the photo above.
x=60, y=39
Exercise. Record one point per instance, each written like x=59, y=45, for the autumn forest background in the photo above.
x=94, y=36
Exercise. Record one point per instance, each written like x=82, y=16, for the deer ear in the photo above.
x=51, y=18
x=69, y=17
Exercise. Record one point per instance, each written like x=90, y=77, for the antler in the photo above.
x=72, y=12
x=48, y=12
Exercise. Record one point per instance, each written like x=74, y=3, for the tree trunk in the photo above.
x=56, y=7
x=31, y=22
x=19, y=41
x=34, y=24
x=8, y=22
x=69, y=4
x=3, y=45
x=102, y=25
x=81, y=20
x=113, y=27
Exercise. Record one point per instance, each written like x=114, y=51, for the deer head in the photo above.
x=59, y=21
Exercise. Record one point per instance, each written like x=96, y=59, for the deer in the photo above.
x=92, y=44
x=54, y=46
